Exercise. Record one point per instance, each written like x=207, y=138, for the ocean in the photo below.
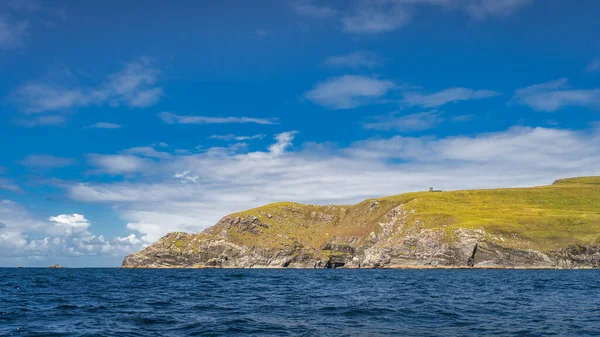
x=285, y=302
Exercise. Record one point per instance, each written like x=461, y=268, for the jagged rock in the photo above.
x=374, y=234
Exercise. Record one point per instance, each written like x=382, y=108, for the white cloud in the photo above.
x=147, y=151
x=15, y=222
x=349, y=91
x=132, y=160
x=223, y=182
x=59, y=236
x=593, y=66
x=446, y=96
x=46, y=161
x=171, y=118
x=283, y=141
x=308, y=9
x=185, y=177
x=69, y=224
x=555, y=95
x=260, y=33
x=6, y=184
x=381, y=16
x=412, y=122
x=105, y=125
x=118, y=163
x=376, y=17
x=481, y=9
x=12, y=32
x=134, y=86
x=355, y=60
x=230, y=137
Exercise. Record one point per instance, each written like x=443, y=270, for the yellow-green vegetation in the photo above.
x=540, y=218
x=567, y=212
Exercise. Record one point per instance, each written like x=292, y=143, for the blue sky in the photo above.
x=124, y=120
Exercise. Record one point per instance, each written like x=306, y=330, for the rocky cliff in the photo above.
x=555, y=226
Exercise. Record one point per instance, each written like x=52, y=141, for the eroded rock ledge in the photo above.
x=247, y=242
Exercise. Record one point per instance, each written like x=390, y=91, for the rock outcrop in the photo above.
x=445, y=229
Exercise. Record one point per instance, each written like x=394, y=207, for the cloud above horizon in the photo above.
x=355, y=60
x=188, y=192
x=352, y=91
x=46, y=161
x=12, y=32
x=133, y=86
x=171, y=118
x=105, y=125
x=348, y=91
x=307, y=8
x=230, y=137
x=370, y=17
x=63, y=235
x=419, y=121
x=555, y=95
x=593, y=66
x=446, y=96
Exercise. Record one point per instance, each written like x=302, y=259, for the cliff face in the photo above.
x=552, y=226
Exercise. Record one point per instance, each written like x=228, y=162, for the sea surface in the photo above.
x=128, y=302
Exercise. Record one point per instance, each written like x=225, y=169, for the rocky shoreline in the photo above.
x=556, y=226
x=425, y=249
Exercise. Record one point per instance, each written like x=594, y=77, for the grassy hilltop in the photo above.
x=550, y=225
x=541, y=218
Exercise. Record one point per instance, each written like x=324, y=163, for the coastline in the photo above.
x=395, y=267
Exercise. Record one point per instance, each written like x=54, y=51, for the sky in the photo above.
x=122, y=121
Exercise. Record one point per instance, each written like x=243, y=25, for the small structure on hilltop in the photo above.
x=432, y=190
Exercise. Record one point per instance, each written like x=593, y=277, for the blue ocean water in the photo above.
x=125, y=302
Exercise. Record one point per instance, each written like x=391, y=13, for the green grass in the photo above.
x=541, y=218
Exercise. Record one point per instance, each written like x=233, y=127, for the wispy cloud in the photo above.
x=104, y=125
x=7, y=184
x=30, y=13
x=171, y=118
x=408, y=123
x=148, y=152
x=307, y=8
x=376, y=17
x=355, y=60
x=132, y=160
x=282, y=142
x=381, y=16
x=481, y=9
x=230, y=137
x=222, y=182
x=446, y=96
x=555, y=95
x=260, y=33
x=348, y=91
x=118, y=163
x=46, y=161
x=593, y=66
x=12, y=32
x=134, y=86
x=63, y=235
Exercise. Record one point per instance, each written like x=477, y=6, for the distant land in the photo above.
x=556, y=226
